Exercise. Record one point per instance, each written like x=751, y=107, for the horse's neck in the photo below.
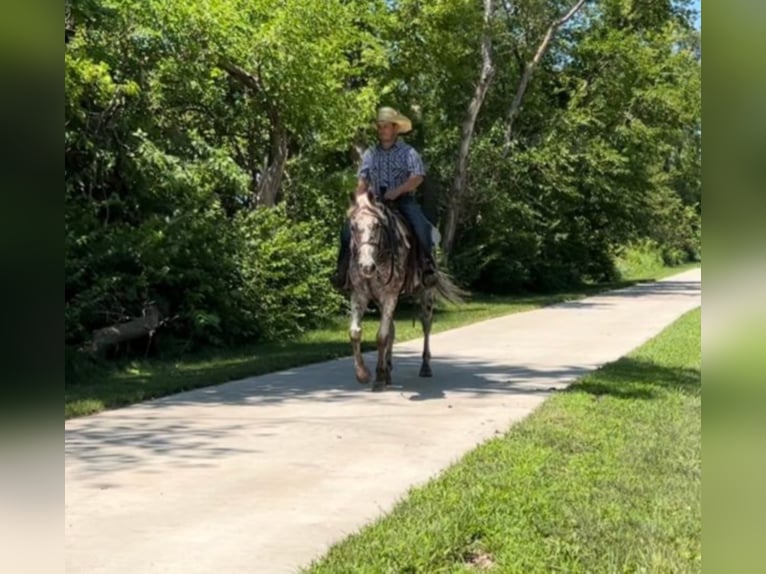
x=364, y=201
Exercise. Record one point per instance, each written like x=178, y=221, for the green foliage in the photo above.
x=607, y=152
x=166, y=147
x=639, y=259
x=285, y=274
x=159, y=148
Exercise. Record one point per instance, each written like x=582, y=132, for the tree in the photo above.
x=293, y=59
x=486, y=73
x=529, y=70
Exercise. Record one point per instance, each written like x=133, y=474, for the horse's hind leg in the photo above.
x=358, y=307
x=426, y=319
x=385, y=340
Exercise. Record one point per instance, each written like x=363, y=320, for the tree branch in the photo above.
x=250, y=80
x=529, y=70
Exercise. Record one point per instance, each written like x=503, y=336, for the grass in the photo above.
x=94, y=387
x=604, y=477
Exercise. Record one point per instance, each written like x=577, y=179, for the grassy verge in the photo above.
x=98, y=387
x=604, y=477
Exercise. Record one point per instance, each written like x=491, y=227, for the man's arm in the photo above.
x=417, y=172
x=408, y=186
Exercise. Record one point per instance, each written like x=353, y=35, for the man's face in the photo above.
x=386, y=132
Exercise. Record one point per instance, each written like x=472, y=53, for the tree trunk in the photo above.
x=461, y=166
x=529, y=70
x=270, y=181
x=271, y=175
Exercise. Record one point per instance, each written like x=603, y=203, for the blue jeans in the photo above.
x=410, y=209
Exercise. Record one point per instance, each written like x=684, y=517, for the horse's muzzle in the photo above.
x=367, y=271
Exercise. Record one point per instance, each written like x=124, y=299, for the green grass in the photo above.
x=92, y=387
x=604, y=477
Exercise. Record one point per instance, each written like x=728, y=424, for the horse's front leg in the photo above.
x=358, y=307
x=426, y=319
x=385, y=340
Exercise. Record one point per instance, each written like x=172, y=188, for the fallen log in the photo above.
x=142, y=326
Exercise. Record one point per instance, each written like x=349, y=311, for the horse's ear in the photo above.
x=370, y=197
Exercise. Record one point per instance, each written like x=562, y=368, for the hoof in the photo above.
x=425, y=371
x=383, y=377
x=378, y=386
x=362, y=376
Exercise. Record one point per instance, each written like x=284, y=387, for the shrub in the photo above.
x=285, y=269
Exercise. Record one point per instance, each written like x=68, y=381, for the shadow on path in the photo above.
x=157, y=437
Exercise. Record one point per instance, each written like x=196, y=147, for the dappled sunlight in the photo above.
x=148, y=443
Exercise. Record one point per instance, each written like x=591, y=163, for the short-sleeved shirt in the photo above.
x=389, y=168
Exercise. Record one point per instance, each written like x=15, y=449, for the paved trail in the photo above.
x=262, y=475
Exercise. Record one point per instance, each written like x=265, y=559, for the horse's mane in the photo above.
x=365, y=202
x=382, y=213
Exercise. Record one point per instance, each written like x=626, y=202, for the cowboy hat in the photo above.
x=390, y=115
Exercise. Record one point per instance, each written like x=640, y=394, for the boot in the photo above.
x=338, y=279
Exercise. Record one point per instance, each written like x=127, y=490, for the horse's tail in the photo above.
x=447, y=290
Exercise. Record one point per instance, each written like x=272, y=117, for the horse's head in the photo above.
x=368, y=227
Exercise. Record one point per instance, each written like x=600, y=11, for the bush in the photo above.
x=285, y=271
x=639, y=259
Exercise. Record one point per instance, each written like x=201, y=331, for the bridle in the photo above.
x=387, y=220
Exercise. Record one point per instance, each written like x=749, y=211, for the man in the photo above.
x=392, y=171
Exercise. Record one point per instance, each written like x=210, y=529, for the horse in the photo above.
x=385, y=264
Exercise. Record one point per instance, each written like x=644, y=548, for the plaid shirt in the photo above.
x=386, y=169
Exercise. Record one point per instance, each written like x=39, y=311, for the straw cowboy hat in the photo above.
x=390, y=115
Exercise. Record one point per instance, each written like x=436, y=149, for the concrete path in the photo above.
x=262, y=475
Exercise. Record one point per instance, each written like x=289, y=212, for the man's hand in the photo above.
x=408, y=186
x=391, y=195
